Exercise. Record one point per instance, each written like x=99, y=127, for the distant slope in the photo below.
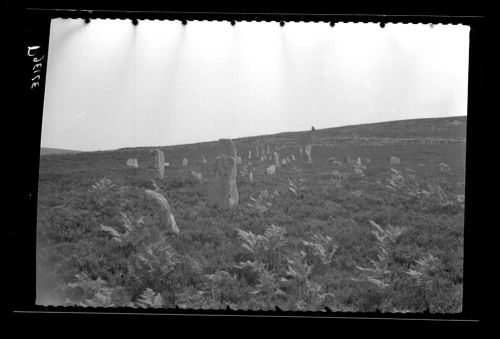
x=49, y=151
x=427, y=130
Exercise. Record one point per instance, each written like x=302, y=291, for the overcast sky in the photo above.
x=111, y=84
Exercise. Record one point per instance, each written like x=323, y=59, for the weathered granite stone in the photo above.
x=160, y=204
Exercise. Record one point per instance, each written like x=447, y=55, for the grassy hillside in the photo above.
x=318, y=246
x=51, y=151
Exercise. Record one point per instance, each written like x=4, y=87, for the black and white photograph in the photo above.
x=207, y=165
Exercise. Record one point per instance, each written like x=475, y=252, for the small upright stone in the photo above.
x=276, y=159
x=283, y=162
x=301, y=151
x=358, y=162
x=308, y=152
x=184, y=162
x=271, y=169
x=395, y=160
x=249, y=154
x=250, y=176
x=160, y=203
x=132, y=163
x=197, y=175
x=238, y=160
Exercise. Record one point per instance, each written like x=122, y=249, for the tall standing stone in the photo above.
x=249, y=154
x=250, y=176
x=308, y=152
x=223, y=192
x=159, y=163
x=276, y=159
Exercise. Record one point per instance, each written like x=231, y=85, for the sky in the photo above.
x=111, y=84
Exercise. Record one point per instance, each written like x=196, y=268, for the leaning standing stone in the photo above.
x=293, y=157
x=223, y=191
x=160, y=204
x=203, y=159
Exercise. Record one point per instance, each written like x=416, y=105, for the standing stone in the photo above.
x=283, y=162
x=271, y=169
x=249, y=154
x=184, y=162
x=301, y=151
x=293, y=157
x=395, y=161
x=160, y=203
x=358, y=162
x=238, y=160
x=203, y=160
x=250, y=176
x=197, y=175
x=308, y=151
x=132, y=163
x=159, y=163
x=257, y=151
x=276, y=159
x=223, y=191
x=228, y=147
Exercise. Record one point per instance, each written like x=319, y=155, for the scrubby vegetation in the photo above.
x=311, y=236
